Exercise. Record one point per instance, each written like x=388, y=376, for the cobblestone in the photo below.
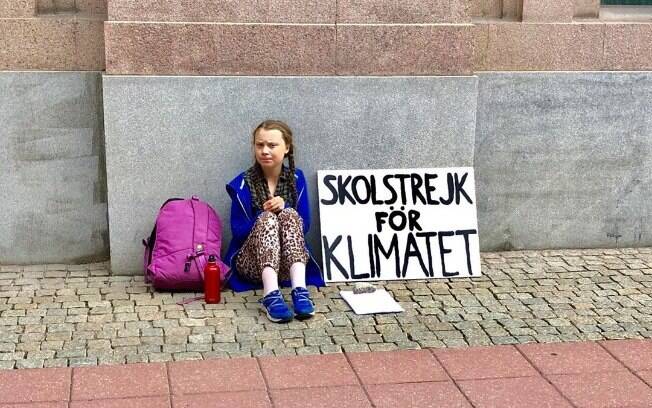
x=76, y=315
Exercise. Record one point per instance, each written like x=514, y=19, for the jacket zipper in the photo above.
x=242, y=206
x=300, y=194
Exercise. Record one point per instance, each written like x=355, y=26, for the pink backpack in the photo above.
x=186, y=232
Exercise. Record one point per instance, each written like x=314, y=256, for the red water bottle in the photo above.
x=212, y=281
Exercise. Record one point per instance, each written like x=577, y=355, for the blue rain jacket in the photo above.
x=242, y=222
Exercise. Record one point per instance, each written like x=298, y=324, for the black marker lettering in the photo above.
x=327, y=182
x=451, y=190
x=430, y=189
x=352, y=261
x=428, y=235
x=459, y=189
x=389, y=187
x=367, y=188
x=413, y=217
x=411, y=249
x=374, y=198
x=402, y=220
x=402, y=178
x=370, y=246
x=416, y=183
x=466, y=234
x=342, y=191
x=443, y=251
x=393, y=247
x=329, y=257
x=380, y=220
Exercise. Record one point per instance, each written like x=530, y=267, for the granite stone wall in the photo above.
x=564, y=160
x=53, y=184
x=49, y=35
x=179, y=136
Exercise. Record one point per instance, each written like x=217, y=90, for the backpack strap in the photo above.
x=149, y=244
x=200, y=233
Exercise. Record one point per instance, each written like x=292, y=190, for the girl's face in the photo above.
x=270, y=149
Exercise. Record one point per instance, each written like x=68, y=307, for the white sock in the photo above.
x=270, y=280
x=298, y=275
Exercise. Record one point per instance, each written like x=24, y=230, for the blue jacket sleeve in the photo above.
x=241, y=222
x=303, y=205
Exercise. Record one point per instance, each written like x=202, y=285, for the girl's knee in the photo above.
x=268, y=219
x=287, y=214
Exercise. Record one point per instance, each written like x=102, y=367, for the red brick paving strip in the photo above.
x=48, y=384
x=613, y=389
x=310, y=371
x=417, y=395
x=321, y=397
x=246, y=399
x=484, y=362
x=219, y=375
x=37, y=405
x=646, y=376
x=513, y=392
x=397, y=367
x=570, y=358
x=119, y=381
x=588, y=377
x=635, y=354
x=145, y=402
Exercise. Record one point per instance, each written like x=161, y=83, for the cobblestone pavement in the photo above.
x=76, y=315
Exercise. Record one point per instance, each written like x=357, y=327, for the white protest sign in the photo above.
x=398, y=224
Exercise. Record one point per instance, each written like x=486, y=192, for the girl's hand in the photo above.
x=274, y=204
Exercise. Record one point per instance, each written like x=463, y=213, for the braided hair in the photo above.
x=261, y=189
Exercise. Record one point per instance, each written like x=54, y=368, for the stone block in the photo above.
x=98, y=7
x=225, y=11
x=540, y=11
x=512, y=10
x=51, y=44
x=403, y=12
x=53, y=189
x=89, y=7
x=36, y=44
x=55, y=6
x=587, y=9
x=220, y=49
x=404, y=49
x=486, y=8
x=628, y=46
x=480, y=46
x=17, y=8
x=89, y=45
x=180, y=136
x=563, y=160
x=544, y=47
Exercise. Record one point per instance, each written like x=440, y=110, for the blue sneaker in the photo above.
x=303, y=306
x=277, y=310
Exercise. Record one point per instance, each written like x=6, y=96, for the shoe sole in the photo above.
x=304, y=316
x=278, y=320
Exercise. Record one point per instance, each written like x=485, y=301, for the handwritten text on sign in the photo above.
x=398, y=224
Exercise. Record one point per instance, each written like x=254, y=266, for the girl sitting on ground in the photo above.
x=270, y=216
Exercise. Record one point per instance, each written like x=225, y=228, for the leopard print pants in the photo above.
x=276, y=241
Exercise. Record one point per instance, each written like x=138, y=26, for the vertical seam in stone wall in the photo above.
x=337, y=47
x=603, y=60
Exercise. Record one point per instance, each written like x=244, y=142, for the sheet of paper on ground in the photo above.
x=398, y=224
x=379, y=301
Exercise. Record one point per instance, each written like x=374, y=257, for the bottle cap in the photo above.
x=211, y=258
